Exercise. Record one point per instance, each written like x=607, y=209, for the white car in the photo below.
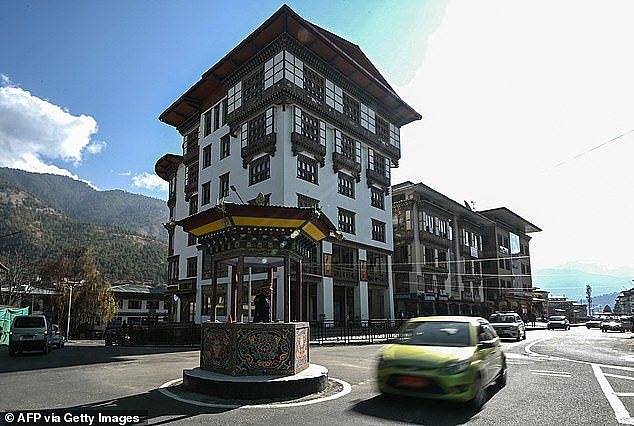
x=508, y=325
x=57, y=337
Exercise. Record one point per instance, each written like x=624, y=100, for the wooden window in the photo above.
x=234, y=97
x=368, y=118
x=256, y=128
x=208, y=123
x=217, y=117
x=191, y=239
x=225, y=146
x=260, y=170
x=378, y=198
x=346, y=185
x=307, y=169
x=206, y=156
x=253, y=85
x=206, y=193
x=347, y=146
x=378, y=230
x=382, y=130
x=193, y=204
x=314, y=85
x=192, y=266
x=223, y=190
x=346, y=221
x=351, y=108
x=224, y=112
x=305, y=201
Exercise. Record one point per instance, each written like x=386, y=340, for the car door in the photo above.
x=485, y=335
x=496, y=355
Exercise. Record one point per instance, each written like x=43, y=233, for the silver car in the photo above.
x=57, y=337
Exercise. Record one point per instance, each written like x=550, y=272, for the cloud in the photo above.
x=128, y=173
x=510, y=90
x=150, y=181
x=5, y=80
x=34, y=131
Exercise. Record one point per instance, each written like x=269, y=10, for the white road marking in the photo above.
x=549, y=371
x=346, y=390
x=567, y=376
x=621, y=413
x=619, y=377
x=624, y=394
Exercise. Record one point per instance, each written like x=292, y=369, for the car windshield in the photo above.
x=435, y=333
x=28, y=322
x=557, y=318
x=502, y=318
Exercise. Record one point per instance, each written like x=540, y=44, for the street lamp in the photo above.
x=70, y=285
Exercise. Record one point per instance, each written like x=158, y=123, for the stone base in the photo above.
x=311, y=380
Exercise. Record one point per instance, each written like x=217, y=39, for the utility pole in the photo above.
x=589, y=298
x=70, y=284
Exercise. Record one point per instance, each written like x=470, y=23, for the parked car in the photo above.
x=628, y=323
x=558, y=321
x=57, y=338
x=593, y=323
x=508, y=325
x=30, y=333
x=116, y=336
x=612, y=324
x=443, y=357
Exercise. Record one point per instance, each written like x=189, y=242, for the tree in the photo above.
x=607, y=309
x=17, y=281
x=589, y=298
x=92, y=300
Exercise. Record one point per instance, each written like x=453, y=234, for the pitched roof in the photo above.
x=344, y=56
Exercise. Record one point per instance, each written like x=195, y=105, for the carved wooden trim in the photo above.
x=301, y=143
x=266, y=144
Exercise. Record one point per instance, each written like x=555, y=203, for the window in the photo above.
x=501, y=263
x=346, y=221
x=192, y=266
x=234, y=97
x=382, y=130
x=191, y=175
x=206, y=193
x=307, y=169
x=346, y=185
x=267, y=200
x=310, y=127
x=260, y=170
x=367, y=118
x=191, y=239
x=134, y=304
x=170, y=242
x=152, y=304
x=377, y=198
x=206, y=156
x=208, y=123
x=172, y=269
x=225, y=146
x=378, y=230
x=217, y=117
x=314, y=85
x=347, y=147
x=193, y=204
x=334, y=96
x=224, y=112
x=223, y=190
x=304, y=201
x=350, y=107
x=253, y=85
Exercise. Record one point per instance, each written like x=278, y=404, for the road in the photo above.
x=555, y=377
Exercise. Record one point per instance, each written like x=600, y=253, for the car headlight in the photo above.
x=456, y=367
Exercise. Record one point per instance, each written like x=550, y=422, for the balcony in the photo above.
x=191, y=187
x=437, y=240
x=312, y=268
x=344, y=273
x=301, y=143
x=392, y=150
x=265, y=144
x=472, y=252
x=375, y=177
x=377, y=277
x=191, y=154
x=342, y=161
x=404, y=235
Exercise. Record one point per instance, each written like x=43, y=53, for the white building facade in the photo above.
x=276, y=117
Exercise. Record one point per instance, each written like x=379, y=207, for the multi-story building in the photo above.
x=437, y=253
x=624, y=303
x=302, y=117
x=507, y=269
x=446, y=256
x=139, y=304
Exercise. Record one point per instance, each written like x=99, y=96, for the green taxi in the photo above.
x=443, y=357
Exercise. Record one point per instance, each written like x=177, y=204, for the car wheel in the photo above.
x=519, y=336
x=45, y=349
x=479, y=398
x=524, y=335
x=502, y=378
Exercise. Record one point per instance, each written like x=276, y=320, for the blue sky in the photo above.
x=525, y=104
x=122, y=63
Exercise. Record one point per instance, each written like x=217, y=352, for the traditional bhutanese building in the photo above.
x=301, y=116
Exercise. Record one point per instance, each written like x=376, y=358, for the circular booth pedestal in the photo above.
x=311, y=380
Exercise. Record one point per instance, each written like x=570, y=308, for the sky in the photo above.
x=525, y=104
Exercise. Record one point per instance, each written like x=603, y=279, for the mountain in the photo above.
x=571, y=279
x=605, y=299
x=77, y=200
x=47, y=230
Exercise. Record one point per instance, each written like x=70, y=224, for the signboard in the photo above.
x=363, y=270
x=474, y=252
x=327, y=265
x=515, y=243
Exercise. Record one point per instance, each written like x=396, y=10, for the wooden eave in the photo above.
x=166, y=165
x=344, y=56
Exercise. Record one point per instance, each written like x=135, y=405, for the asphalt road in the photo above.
x=555, y=377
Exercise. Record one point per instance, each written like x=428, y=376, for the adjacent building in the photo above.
x=450, y=259
x=139, y=304
x=624, y=303
x=293, y=116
